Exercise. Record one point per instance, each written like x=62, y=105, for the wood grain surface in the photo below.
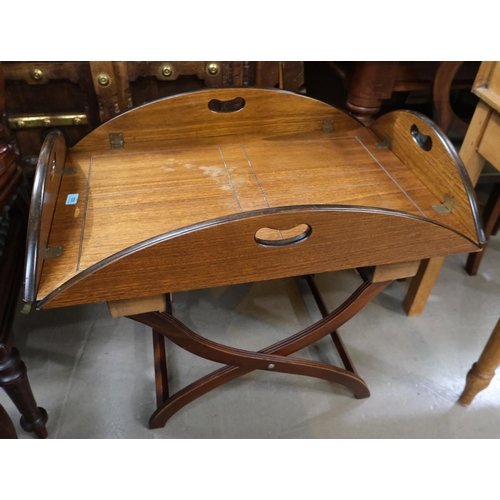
x=489, y=146
x=440, y=168
x=225, y=252
x=186, y=121
x=139, y=305
x=473, y=161
x=487, y=84
x=395, y=271
x=175, y=175
x=128, y=198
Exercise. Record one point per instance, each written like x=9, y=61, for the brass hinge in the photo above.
x=447, y=206
x=52, y=252
x=48, y=120
x=327, y=126
x=116, y=141
x=385, y=144
x=26, y=309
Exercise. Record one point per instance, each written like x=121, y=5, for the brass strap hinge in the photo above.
x=47, y=120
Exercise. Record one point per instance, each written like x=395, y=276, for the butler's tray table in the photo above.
x=228, y=186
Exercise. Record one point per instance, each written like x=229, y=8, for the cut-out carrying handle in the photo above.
x=422, y=140
x=269, y=237
x=231, y=106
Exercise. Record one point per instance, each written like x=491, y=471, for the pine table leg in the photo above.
x=421, y=286
x=481, y=373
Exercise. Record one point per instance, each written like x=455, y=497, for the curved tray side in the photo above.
x=226, y=251
x=434, y=161
x=46, y=185
x=186, y=119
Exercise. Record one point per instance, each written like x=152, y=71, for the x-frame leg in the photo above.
x=240, y=362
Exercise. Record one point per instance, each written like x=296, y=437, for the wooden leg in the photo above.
x=370, y=83
x=13, y=376
x=481, y=373
x=491, y=216
x=160, y=360
x=421, y=286
x=161, y=374
x=14, y=380
x=473, y=161
x=7, y=429
x=339, y=345
x=240, y=362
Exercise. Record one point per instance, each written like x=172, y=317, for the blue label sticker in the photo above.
x=71, y=199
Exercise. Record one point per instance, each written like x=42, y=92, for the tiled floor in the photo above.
x=94, y=374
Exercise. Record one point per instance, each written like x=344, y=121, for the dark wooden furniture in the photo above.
x=371, y=84
x=75, y=97
x=7, y=429
x=228, y=186
x=481, y=143
x=13, y=374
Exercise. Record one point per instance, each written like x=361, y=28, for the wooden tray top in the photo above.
x=112, y=199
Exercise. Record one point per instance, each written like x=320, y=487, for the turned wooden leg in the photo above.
x=13, y=376
x=14, y=380
x=481, y=373
x=370, y=83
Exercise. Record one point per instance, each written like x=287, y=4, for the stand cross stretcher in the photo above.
x=231, y=186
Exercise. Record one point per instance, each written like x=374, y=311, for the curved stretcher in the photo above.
x=229, y=186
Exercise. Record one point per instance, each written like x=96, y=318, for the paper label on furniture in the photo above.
x=71, y=199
